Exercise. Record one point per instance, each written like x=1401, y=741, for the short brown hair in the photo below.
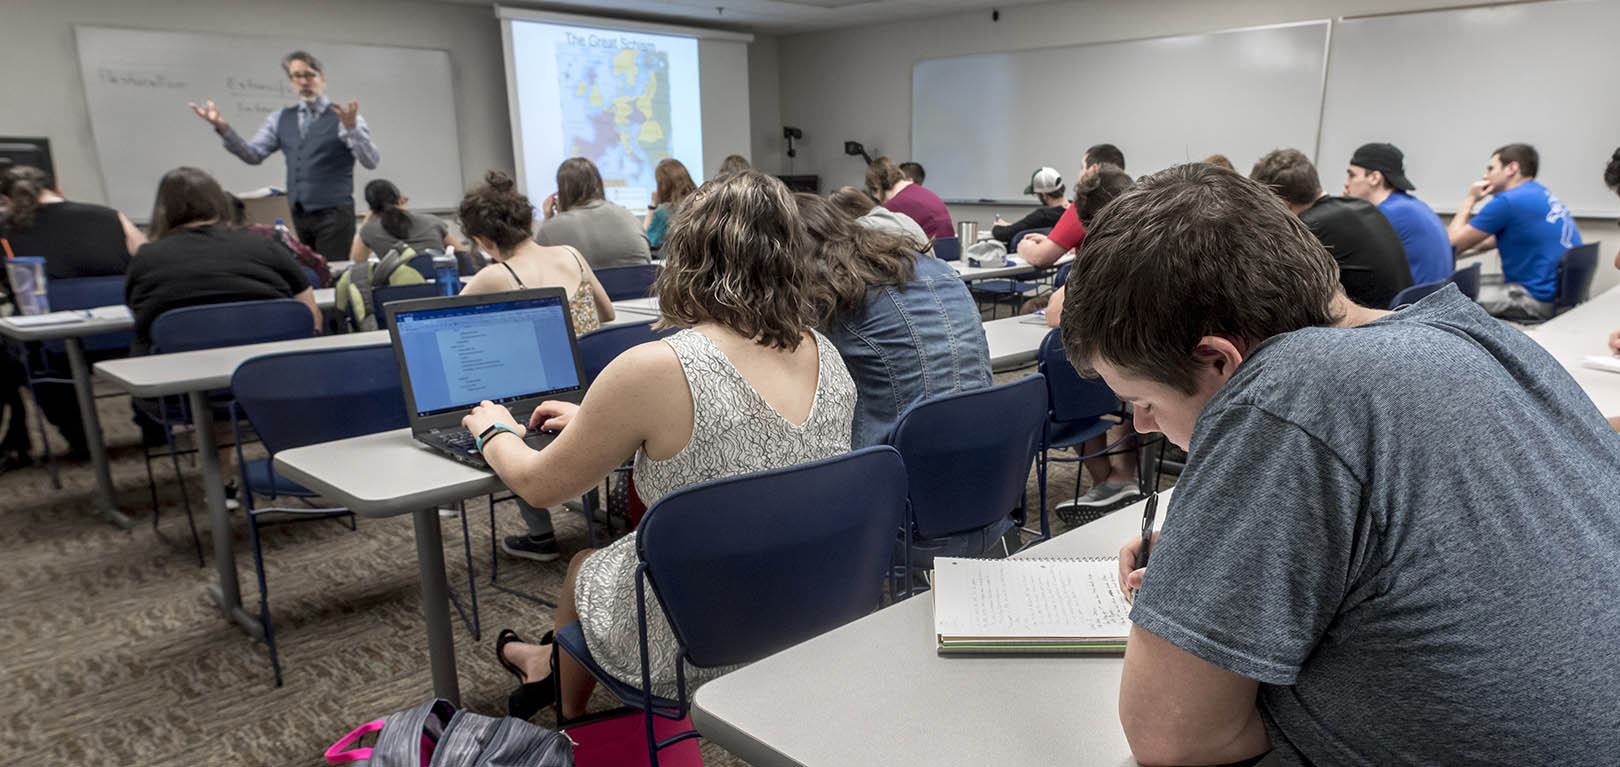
x=1189, y=252
x=853, y=201
x=1523, y=154
x=1290, y=174
x=578, y=182
x=674, y=183
x=881, y=176
x=849, y=258
x=1220, y=161
x=496, y=211
x=304, y=56
x=732, y=258
x=732, y=164
x=186, y=196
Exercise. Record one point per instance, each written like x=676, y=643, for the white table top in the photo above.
x=877, y=692
x=159, y=375
x=1014, y=341
x=102, y=319
x=346, y=471
x=1017, y=267
x=1582, y=332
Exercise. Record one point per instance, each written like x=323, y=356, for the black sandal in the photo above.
x=507, y=636
x=529, y=697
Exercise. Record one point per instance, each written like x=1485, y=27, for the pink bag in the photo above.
x=621, y=741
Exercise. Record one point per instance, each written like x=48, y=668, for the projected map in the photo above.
x=615, y=112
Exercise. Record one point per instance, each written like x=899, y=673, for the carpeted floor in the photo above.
x=112, y=653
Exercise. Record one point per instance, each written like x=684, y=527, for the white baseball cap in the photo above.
x=1044, y=181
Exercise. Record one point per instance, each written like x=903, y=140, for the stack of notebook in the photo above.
x=1062, y=606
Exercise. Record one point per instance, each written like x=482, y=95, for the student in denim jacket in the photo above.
x=904, y=322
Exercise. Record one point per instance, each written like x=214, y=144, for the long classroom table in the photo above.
x=1582, y=332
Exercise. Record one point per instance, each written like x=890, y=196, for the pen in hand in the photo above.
x=1147, y=533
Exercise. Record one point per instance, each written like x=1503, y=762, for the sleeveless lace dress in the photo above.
x=733, y=432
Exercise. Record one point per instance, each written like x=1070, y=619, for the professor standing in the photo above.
x=321, y=141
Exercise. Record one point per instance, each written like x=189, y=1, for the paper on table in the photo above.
x=1013, y=598
x=114, y=312
x=49, y=318
x=1607, y=362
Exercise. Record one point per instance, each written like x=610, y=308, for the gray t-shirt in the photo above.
x=1409, y=533
x=606, y=234
x=425, y=233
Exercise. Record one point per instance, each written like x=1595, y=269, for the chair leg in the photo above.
x=264, y=598
x=494, y=563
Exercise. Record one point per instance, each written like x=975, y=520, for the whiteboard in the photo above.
x=1448, y=87
x=981, y=124
x=137, y=83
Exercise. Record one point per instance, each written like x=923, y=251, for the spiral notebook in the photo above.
x=1057, y=606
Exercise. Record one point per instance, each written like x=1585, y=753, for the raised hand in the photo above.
x=348, y=114
x=210, y=113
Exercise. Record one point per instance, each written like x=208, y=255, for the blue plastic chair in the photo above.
x=746, y=566
x=1576, y=268
x=1416, y=293
x=1467, y=280
x=1077, y=410
x=624, y=282
x=210, y=326
x=967, y=458
x=947, y=249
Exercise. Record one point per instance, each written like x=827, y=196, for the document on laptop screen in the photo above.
x=458, y=357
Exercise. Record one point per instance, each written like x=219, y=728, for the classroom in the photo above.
x=860, y=352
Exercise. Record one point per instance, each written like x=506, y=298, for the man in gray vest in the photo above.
x=321, y=140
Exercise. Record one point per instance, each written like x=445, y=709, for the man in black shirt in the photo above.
x=1047, y=186
x=1372, y=260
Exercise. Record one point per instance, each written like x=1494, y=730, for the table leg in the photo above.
x=436, y=605
x=85, y=392
x=227, y=594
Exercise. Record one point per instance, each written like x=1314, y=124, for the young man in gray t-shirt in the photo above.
x=1397, y=538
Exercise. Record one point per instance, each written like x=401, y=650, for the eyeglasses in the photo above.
x=303, y=75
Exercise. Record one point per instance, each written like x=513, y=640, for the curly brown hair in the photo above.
x=496, y=211
x=1290, y=174
x=849, y=257
x=732, y=258
x=23, y=185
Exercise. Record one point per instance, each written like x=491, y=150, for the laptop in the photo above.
x=516, y=349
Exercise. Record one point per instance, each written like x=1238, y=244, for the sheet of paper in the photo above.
x=49, y=318
x=1028, y=598
x=1607, y=362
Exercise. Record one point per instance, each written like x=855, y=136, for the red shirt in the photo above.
x=1069, y=232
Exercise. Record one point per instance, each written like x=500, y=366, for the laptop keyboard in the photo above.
x=460, y=440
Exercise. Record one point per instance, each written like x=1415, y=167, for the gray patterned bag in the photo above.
x=436, y=734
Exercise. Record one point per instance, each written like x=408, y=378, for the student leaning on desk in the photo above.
x=1396, y=538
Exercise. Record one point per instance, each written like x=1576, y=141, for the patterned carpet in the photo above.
x=114, y=654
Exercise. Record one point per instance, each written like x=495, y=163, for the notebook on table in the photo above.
x=1607, y=362
x=516, y=349
x=1042, y=606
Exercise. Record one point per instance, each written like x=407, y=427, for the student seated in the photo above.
x=389, y=225
x=1377, y=174
x=1091, y=195
x=747, y=386
x=196, y=257
x=1067, y=233
x=734, y=163
x=1047, y=186
x=866, y=212
x=76, y=239
x=914, y=171
x=1529, y=227
x=1372, y=261
x=577, y=214
x=904, y=322
x=1346, y=574
x=498, y=218
x=886, y=184
x=674, y=184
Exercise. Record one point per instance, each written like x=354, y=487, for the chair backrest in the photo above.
x=1069, y=396
x=968, y=454
x=89, y=293
x=622, y=282
x=1576, y=268
x=1060, y=278
x=1416, y=293
x=210, y=326
x=1019, y=237
x=305, y=397
x=947, y=248
x=423, y=264
x=382, y=294
x=749, y=565
x=1467, y=279
x=598, y=347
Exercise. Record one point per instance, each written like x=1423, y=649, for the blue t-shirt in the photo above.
x=1428, y=248
x=1346, y=532
x=1532, y=229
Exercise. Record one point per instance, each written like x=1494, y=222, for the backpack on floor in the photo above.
x=436, y=734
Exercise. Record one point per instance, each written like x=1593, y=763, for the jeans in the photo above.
x=538, y=520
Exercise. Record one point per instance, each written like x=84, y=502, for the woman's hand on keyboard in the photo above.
x=552, y=415
x=487, y=414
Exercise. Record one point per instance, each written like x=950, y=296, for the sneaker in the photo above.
x=1100, y=499
x=231, y=504
x=539, y=549
x=449, y=512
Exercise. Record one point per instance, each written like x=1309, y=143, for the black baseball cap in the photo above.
x=1385, y=159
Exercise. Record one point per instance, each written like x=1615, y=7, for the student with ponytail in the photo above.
x=389, y=224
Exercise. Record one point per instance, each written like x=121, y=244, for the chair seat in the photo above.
x=265, y=482
x=1003, y=286
x=1062, y=434
x=176, y=411
x=571, y=638
x=971, y=543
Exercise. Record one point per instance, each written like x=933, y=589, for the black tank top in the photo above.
x=75, y=239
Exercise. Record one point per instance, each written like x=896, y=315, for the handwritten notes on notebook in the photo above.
x=1029, y=605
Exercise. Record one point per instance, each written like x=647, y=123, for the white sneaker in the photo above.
x=1101, y=498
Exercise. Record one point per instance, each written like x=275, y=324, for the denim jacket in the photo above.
x=908, y=343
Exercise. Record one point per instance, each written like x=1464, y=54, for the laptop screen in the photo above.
x=459, y=356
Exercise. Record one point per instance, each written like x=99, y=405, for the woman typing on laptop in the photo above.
x=748, y=386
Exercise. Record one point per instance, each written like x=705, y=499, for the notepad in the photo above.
x=49, y=318
x=1607, y=362
x=1061, y=606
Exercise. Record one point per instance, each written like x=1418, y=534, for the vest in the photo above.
x=320, y=168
